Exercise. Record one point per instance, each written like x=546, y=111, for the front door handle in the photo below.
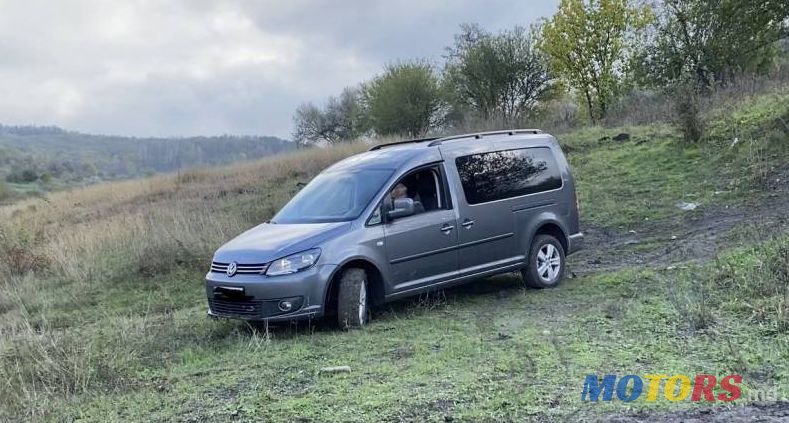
x=447, y=228
x=468, y=223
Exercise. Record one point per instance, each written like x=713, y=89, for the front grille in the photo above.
x=233, y=305
x=243, y=308
x=243, y=268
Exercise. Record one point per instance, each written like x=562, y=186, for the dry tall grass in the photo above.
x=61, y=255
x=70, y=227
x=644, y=107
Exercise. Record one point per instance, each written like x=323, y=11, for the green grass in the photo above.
x=621, y=184
x=121, y=335
x=626, y=183
x=490, y=350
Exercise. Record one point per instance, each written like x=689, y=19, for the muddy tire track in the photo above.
x=697, y=236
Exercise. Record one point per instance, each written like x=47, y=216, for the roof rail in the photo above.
x=391, y=144
x=479, y=135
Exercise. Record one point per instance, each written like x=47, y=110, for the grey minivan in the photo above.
x=402, y=219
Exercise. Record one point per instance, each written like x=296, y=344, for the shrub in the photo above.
x=21, y=261
x=692, y=297
x=688, y=117
x=405, y=100
x=46, y=178
x=5, y=191
x=18, y=254
x=23, y=176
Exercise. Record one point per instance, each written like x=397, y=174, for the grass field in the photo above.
x=103, y=310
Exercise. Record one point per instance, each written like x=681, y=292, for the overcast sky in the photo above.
x=206, y=67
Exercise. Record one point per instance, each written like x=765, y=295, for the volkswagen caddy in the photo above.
x=402, y=219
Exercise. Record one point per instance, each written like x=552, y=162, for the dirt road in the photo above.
x=698, y=235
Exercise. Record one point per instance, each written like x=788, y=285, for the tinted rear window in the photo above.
x=509, y=173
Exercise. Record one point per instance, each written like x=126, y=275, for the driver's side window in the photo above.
x=419, y=191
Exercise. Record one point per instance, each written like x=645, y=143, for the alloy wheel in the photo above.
x=549, y=263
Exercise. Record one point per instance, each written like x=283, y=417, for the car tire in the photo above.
x=545, y=268
x=352, y=299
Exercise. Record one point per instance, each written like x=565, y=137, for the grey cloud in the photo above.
x=187, y=67
x=390, y=30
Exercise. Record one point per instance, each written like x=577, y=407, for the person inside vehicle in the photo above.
x=401, y=191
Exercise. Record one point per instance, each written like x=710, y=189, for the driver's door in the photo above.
x=422, y=248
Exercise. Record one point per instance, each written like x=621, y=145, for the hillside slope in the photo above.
x=35, y=158
x=103, y=311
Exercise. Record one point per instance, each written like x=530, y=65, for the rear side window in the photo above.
x=510, y=173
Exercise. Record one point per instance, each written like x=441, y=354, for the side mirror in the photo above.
x=402, y=207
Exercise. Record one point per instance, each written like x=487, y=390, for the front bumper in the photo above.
x=576, y=243
x=256, y=297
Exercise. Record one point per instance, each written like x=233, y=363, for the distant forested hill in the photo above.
x=53, y=156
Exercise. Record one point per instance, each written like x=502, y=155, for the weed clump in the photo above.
x=751, y=284
x=758, y=280
x=163, y=257
x=689, y=117
x=18, y=254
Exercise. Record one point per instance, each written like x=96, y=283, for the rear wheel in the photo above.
x=545, y=268
x=352, y=305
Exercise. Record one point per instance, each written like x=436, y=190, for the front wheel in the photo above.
x=352, y=306
x=545, y=268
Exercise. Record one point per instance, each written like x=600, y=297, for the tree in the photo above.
x=310, y=125
x=346, y=115
x=586, y=45
x=502, y=75
x=22, y=175
x=340, y=120
x=405, y=100
x=710, y=41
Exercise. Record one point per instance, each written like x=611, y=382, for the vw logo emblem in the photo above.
x=232, y=268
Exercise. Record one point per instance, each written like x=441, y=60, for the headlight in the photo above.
x=293, y=263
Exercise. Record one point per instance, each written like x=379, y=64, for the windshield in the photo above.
x=333, y=197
